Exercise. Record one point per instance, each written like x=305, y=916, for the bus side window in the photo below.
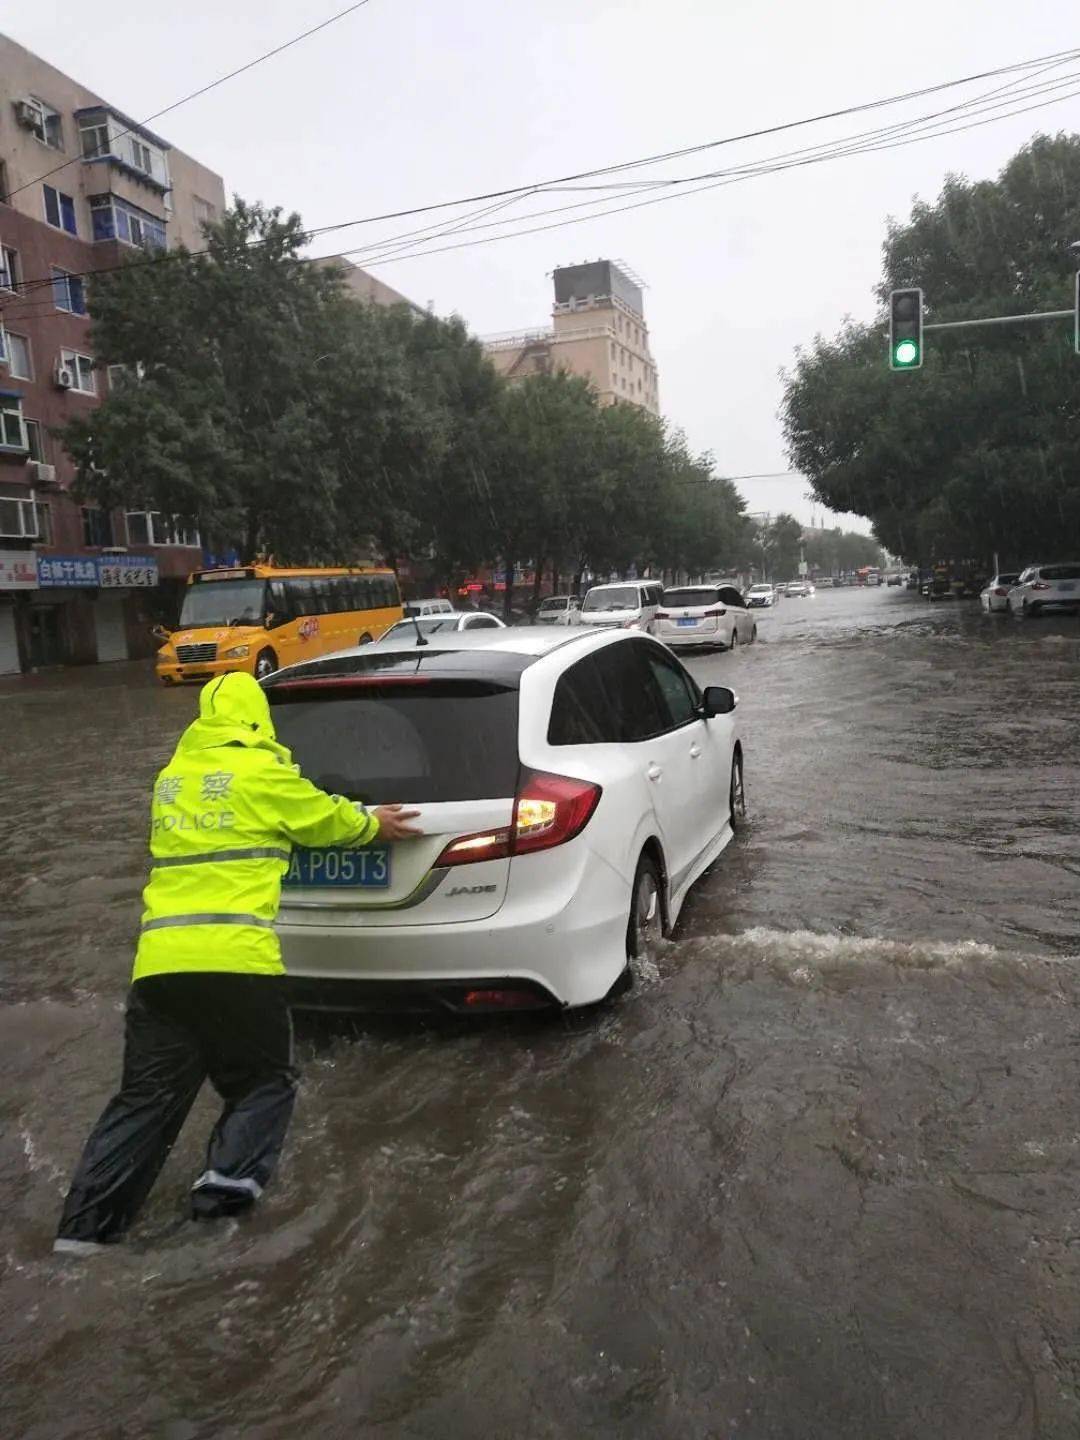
x=302, y=598
x=341, y=594
x=324, y=600
x=393, y=594
x=362, y=592
x=279, y=601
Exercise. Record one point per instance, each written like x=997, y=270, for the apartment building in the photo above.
x=597, y=330
x=82, y=187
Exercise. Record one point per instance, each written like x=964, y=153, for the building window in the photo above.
x=12, y=433
x=81, y=369
x=35, y=440
x=43, y=515
x=60, y=210
x=3, y=181
x=114, y=219
x=152, y=527
x=18, y=519
x=9, y=268
x=18, y=353
x=69, y=293
x=44, y=122
x=97, y=526
x=140, y=157
x=205, y=213
x=94, y=139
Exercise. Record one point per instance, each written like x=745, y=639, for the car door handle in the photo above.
x=695, y=751
x=654, y=772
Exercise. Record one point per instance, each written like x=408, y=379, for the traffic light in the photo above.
x=905, y=330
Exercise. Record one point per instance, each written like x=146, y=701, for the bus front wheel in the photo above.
x=265, y=664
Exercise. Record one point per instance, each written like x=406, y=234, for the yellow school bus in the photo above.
x=260, y=617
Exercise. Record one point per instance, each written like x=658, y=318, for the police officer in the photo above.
x=206, y=999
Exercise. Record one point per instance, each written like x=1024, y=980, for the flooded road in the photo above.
x=818, y=1175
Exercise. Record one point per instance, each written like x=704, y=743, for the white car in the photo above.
x=798, y=590
x=995, y=593
x=559, y=610
x=404, y=632
x=428, y=607
x=571, y=789
x=701, y=615
x=630, y=604
x=1043, y=585
x=760, y=595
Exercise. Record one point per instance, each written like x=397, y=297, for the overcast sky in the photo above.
x=407, y=102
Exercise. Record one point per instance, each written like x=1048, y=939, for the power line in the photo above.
x=203, y=90
x=541, y=186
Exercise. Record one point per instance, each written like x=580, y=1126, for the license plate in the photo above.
x=357, y=869
x=685, y=622
x=1066, y=585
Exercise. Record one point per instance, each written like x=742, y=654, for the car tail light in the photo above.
x=503, y=1000
x=549, y=810
x=711, y=614
x=1040, y=585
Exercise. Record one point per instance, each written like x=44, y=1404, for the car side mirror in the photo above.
x=160, y=633
x=718, y=700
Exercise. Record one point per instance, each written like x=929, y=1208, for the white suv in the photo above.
x=761, y=595
x=572, y=787
x=1043, y=585
x=559, y=610
x=700, y=615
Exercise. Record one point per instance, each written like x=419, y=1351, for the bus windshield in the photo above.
x=224, y=602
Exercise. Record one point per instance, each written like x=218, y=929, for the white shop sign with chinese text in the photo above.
x=18, y=570
x=115, y=571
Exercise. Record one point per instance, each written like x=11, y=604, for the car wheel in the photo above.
x=645, y=928
x=265, y=664
x=365, y=639
x=737, y=793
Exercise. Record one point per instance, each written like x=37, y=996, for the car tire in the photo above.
x=737, y=794
x=365, y=639
x=645, y=926
x=266, y=662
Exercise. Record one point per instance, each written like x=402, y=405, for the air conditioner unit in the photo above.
x=45, y=474
x=28, y=114
x=64, y=378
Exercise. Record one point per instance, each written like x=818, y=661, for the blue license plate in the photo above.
x=356, y=869
x=686, y=622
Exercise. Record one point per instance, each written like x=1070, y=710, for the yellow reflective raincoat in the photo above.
x=226, y=811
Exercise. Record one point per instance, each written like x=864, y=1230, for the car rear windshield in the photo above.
x=554, y=605
x=684, y=599
x=419, y=740
x=613, y=597
x=1060, y=572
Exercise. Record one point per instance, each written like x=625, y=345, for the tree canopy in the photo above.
x=261, y=401
x=979, y=451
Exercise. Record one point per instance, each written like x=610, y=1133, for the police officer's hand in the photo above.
x=393, y=822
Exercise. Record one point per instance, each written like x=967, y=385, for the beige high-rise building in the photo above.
x=598, y=331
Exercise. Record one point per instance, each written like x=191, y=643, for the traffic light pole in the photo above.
x=1001, y=320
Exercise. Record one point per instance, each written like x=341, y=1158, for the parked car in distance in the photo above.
x=703, y=615
x=799, y=590
x=629, y=604
x=1041, y=586
x=824, y=582
x=995, y=593
x=760, y=595
x=571, y=789
x=405, y=631
x=436, y=606
x=559, y=610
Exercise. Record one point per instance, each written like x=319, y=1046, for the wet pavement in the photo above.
x=817, y=1175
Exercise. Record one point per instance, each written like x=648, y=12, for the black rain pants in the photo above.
x=232, y=1029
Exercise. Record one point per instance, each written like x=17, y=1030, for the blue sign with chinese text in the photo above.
x=107, y=572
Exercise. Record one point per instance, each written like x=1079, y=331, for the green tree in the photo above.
x=980, y=450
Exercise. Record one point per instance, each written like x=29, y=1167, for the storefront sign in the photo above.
x=69, y=570
x=18, y=570
x=120, y=570
x=107, y=572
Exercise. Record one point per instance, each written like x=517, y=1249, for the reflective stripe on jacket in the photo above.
x=226, y=812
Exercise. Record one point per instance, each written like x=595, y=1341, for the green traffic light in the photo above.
x=905, y=352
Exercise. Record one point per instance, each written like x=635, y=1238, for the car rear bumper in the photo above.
x=677, y=638
x=566, y=941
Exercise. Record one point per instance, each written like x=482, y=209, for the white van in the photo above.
x=629, y=604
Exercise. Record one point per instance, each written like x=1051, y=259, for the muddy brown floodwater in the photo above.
x=817, y=1175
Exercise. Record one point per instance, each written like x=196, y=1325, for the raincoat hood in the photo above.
x=233, y=710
